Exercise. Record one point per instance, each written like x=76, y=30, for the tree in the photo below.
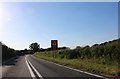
x=7, y=52
x=35, y=47
x=86, y=51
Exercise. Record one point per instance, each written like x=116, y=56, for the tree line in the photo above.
x=7, y=52
x=109, y=50
x=106, y=52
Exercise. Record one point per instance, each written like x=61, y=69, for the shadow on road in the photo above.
x=10, y=61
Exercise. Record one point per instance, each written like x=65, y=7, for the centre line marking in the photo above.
x=31, y=72
x=38, y=74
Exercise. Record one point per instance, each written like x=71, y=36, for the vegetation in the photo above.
x=100, y=58
x=7, y=52
x=35, y=47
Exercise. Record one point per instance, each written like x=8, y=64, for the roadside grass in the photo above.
x=90, y=65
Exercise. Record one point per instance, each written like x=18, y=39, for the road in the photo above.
x=34, y=68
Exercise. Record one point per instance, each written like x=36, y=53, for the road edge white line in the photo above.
x=39, y=75
x=30, y=70
x=76, y=69
x=81, y=71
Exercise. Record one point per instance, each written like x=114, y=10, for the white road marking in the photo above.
x=82, y=71
x=31, y=72
x=77, y=70
x=39, y=75
x=35, y=70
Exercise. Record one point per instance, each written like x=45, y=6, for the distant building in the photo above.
x=54, y=44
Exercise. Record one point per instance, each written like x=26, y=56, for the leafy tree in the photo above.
x=35, y=47
x=86, y=52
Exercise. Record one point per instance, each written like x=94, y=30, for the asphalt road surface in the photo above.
x=28, y=66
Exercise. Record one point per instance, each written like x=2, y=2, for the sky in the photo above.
x=71, y=23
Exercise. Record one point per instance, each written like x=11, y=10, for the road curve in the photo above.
x=30, y=67
x=51, y=70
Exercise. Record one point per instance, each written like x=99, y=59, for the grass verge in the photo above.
x=89, y=65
